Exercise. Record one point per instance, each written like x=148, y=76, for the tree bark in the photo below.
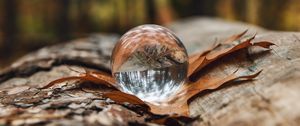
x=271, y=99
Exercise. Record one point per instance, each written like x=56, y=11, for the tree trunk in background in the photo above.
x=203, y=7
x=63, y=22
x=9, y=29
x=150, y=10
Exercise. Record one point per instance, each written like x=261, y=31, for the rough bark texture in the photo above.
x=272, y=99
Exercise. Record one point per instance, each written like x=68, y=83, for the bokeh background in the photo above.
x=26, y=25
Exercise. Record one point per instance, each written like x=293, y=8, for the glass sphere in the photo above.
x=150, y=62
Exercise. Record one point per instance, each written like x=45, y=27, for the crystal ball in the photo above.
x=150, y=62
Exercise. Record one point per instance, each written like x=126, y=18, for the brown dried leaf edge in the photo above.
x=178, y=105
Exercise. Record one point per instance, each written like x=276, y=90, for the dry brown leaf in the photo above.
x=121, y=97
x=235, y=37
x=264, y=44
x=199, y=61
x=93, y=76
x=60, y=80
x=193, y=57
x=212, y=83
x=178, y=104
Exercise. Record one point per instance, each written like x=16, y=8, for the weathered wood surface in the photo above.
x=272, y=99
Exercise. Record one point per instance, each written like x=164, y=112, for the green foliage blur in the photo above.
x=26, y=25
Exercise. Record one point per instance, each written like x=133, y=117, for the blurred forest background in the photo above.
x=26, y=25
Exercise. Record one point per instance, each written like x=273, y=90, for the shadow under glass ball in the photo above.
x=150, y=62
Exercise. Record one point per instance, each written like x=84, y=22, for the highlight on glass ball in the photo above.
x=150, y=62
